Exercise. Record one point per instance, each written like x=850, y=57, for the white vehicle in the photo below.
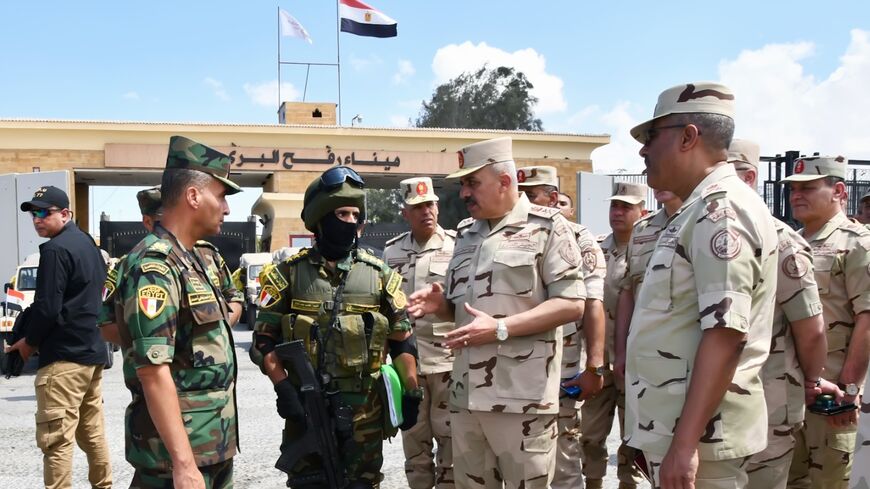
x=250, y=265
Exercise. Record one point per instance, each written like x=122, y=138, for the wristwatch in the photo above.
x=599, y=371
x=850, y=389
x=416, y=393
x=501, y=332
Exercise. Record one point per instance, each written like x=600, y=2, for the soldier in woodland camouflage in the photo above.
x=179, y=360
x=841, y=259
x=626, y=207
x=541, y=185
x=421, y=256
x=798, y=347
x=701, y=326
x=298, y=298
x=514, y=278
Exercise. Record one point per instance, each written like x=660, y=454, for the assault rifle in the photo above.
x=319, y=438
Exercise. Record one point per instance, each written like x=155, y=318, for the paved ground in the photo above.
x=260, y=432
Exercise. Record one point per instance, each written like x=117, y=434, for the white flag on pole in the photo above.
x=291, y=27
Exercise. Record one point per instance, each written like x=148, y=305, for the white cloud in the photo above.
x=452, y=60
x=266, y=93
x=399, y=121
x=622, y=152
x=131, y=95
x=783, y=107
x=217, y=88
x=406, y=70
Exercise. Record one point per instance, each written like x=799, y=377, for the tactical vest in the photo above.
x=355, y=346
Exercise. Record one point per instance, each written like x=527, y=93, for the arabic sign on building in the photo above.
x=289, y=159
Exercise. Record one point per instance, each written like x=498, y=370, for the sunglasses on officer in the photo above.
x=336, y=176
x=652, y=132
x=43, y=213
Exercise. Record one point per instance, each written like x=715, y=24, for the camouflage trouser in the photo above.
x=217, y=476
x=363, y=457
x=519, y=449
x=597, y=420
x=860, y=476
x=69, y=409
x=768, y=469
x=433, y=421
x=822, y=455
x=718, y=474
x=568, y=473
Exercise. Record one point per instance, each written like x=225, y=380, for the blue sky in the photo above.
x=800, y=67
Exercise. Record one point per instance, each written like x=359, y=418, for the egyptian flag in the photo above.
x=363, y=20
x=15, y=297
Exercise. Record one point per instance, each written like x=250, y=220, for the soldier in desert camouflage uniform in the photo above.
x=626, y=207
x=701, y=327
x=841, y=256
x=514, y=278
x=297, y=302
x=421, y=256
x=179, y=361
x=541, y=186
x=798, y=346
x=218, y=272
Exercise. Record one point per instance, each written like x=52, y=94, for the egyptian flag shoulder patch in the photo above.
x=269, y=296
x=152, y=300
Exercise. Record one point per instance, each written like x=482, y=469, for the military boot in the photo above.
x=594, y=484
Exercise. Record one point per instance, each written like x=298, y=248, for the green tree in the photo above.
x=383, y=205
x=486, y=99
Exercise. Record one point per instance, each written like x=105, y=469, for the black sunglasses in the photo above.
x=42, y=213
x=652, y=132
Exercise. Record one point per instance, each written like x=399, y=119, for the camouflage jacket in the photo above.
x=527, y=257
x=420, y=266
x=216, y=267
x=170, y=312
x=643, y=241
x=617, y=265
x=714, y=266
x=841, y=256
x=296, y=302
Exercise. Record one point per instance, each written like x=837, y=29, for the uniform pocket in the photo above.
x=721, y=483
x=202, y=413
x=438, y=269
x=656, y=290
x=662, y=383
x=49, y=428
x=521, y=369
x=377, y=327
x=842, y=442
x=208, y=341
x=823, y=266
x=513, y=272
x=353, y=351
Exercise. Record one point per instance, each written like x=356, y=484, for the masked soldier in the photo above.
x=421, y=257
x=841, y=259
x=541, y=186
x=179, y=360
x=346, y=305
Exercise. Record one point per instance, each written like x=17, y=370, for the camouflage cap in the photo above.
x=815, y=167
x=744, y=151
x=417, y=190
x=630, y=193
x=475, y=156
x=149, y=201
x=187, y=153
x=689, y=98
x=530, y=176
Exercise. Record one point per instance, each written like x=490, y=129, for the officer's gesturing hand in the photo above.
x=679, y=469
x=430, y=300
x=289, y=406
x=479, y=331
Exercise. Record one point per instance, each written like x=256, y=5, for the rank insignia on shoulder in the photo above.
x=160, y=247
x=394, y=283
x=152, y=300
x=153, y=266
x=299, y=255
x=400, y=300
x=274, y=275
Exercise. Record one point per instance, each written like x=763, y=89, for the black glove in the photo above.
x=288, y=403
x=12, y=364
x=410, y=409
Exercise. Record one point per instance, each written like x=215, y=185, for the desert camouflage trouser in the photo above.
x=433, y=422
x=597, y=420
x=495, y=450
x=768, y=469
x=363, y=457
x=718, y=474
x=568, y=473
x=822, y=455
x=217, y=476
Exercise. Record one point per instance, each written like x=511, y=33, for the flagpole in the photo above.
x=338, y=54
x=279, y=56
